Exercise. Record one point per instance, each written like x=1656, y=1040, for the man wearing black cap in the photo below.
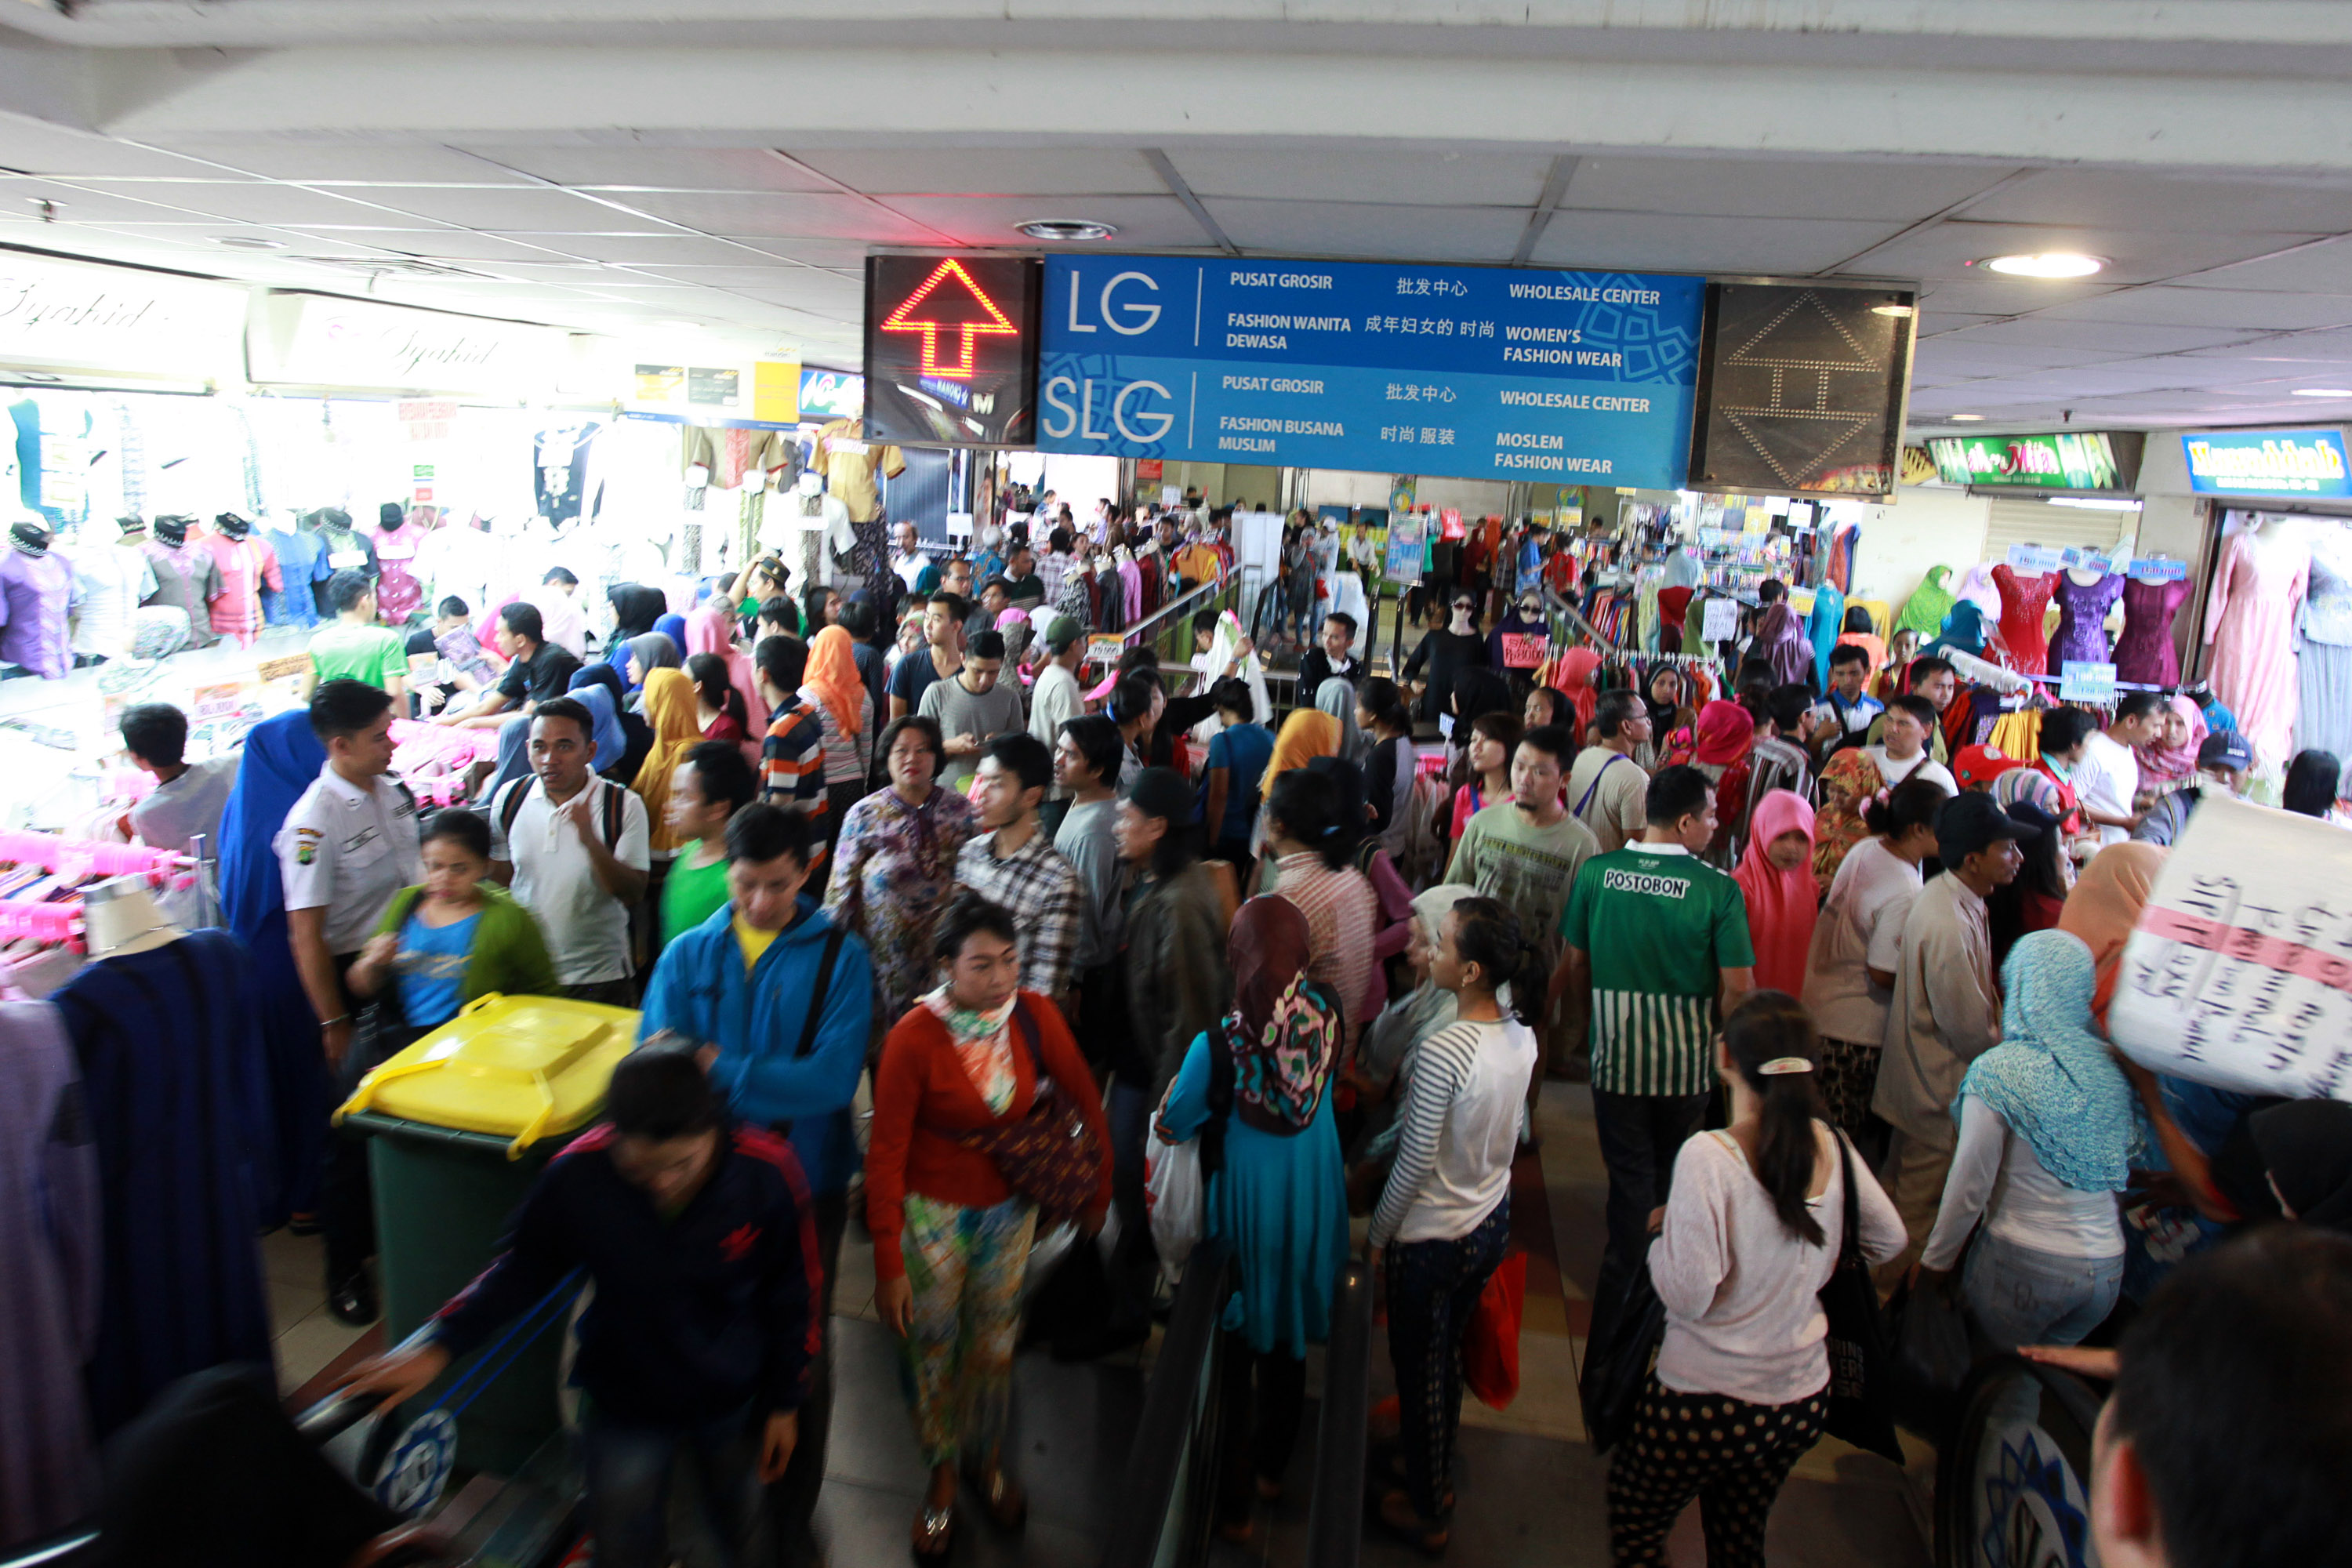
x=1947, y=1008
x=2223, y=760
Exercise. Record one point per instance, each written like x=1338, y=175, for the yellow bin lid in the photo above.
x=522, y=1068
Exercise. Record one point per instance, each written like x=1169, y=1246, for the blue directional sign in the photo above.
x=1471, y=372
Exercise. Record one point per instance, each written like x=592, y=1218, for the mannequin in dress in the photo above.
x=2145, y=654
x=35, y=587
x=2084, y=597
x=2024, y=605
x=2323, y=659
x=397, y=592
x=1977, y=586
x=2249, y=619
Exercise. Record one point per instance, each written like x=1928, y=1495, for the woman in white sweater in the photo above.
x=1753, y=1233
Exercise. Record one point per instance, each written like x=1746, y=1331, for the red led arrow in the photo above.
x=901, y=321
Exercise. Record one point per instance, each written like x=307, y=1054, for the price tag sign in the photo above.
x=2090, y=684
x=2034, y=559
x=2156, y=569
x=1722, y=622
x=1521, y=651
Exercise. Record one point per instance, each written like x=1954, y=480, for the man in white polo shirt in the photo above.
x=573, y=848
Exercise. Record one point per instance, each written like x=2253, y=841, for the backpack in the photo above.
x=509, y=806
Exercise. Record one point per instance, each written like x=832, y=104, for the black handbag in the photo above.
x=1861, y=1361
x=1616, y=1370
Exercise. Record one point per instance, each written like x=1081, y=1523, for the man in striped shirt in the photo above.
x=792, y=757
x=1656, y=946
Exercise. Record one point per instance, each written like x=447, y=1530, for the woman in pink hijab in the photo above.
x=1574, y=677
x=2170, y=759
x=1777, y=877
x=711, y=630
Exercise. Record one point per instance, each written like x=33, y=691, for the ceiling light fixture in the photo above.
x=249, y=242
x=1066, y=228
x=2324, y=392
x=2045, y=264
x=1968, y=419
x=1898, y=311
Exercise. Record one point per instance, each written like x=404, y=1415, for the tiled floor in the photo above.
x=307, y=1336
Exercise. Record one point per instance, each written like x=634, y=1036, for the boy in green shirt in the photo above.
x=1655, y=947
x=355, y=648
x=710, y=785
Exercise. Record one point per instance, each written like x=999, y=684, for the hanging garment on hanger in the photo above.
x=49, y=1226
x=2250, y=624
x=2323, y=659
x=2082, y=620
x=2143, y=653
x=1823, y=626
x=179, y=1111
x=302, y=564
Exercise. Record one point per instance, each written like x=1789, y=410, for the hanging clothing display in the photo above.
x=1924, y=610
x=2082, y=619
x=49, y=1257
x=1977, y=587
x=187, y=577
x=1823, y=626
x=2025, y=607
x=110, y=582
x=2143, y=653
x=36, y=590
x=347, y=550
x=178, y=1101
x=2250, y=619
x=301, y=566
x=849, y=465
x=247, y=566
x=2323, y=660
x=560, y=470
x=397, y=592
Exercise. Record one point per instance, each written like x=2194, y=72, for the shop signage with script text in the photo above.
x=2268, y=463
x=316, y=340
x=2065, y=460
x=59, y=316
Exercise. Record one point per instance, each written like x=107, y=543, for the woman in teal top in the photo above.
x=455, y=936
x=1255, y=1090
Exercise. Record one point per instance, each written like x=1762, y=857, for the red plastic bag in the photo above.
x=1490, y=1345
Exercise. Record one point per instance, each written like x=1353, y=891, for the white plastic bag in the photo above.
x=1173, y=1196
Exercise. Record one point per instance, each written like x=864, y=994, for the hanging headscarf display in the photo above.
x=1924, y=610
x=1285, y=1029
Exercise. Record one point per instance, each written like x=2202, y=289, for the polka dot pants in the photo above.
x=1732, y=1456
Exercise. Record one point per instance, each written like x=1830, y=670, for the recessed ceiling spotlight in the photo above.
x=1897, y=312
x=1066, y=228
x=1968, y=419
x=2324, y=392
x=2044, y=263
x=249, y=242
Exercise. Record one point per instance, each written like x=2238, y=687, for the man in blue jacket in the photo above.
x=780, y=999
x=697, y=1237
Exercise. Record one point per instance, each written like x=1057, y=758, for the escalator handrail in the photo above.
x=1335, y=1516
x=72, y=1548
x=1149, y=1485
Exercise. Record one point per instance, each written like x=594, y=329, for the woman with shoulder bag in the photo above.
x=972, y=1104
x=1753, y=1233
x=1254, y=1089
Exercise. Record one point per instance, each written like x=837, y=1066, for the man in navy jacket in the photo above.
x=779, y=1000
x=699, y=1237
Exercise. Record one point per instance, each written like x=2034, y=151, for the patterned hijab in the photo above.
x=1284, y=1031
x=2173, y=765
x=2051, y=1078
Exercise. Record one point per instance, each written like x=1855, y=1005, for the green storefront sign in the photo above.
x=2074, y=460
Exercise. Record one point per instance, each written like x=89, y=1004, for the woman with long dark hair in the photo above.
x=2312, y=784
x=723, y=716
x=1445, y=1212
x=1751, y=1234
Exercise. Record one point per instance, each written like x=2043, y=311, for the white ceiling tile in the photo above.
x=2242, y=307
x=657, y=168
x=810, y=216
x=1339, y=174
x=250, y=202
x=37, y=148
x=206, y=236
x=2119, y=337
x=673, y=246
x=333, y=162
x=78, y=203
x=2326, y=269
x=1966, y=351
x=1945, y=250
x=506, y=208
x=1752, y=187
x=841, y=256
x=445, y=243
x=2106, y=198
x=748, y=276
x=988, y=171
x=1990, y=294
x=1157, y=222
x=1659, y=242
x=1363, y=229
x=811, y=290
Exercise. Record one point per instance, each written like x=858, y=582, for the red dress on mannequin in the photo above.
x=2025, y=604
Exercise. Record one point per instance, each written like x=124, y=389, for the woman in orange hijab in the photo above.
x=2105, y=906
x=845, y=719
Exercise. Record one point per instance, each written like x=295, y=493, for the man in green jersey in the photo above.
x=1655, y=949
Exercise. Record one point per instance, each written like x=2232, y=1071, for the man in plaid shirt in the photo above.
x=1013, y=862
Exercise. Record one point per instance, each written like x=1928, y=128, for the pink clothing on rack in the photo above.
x=246, y=564
x=2249, y=626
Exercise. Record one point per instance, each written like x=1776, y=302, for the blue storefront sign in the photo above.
x=2268, y=463
x=1471, y=372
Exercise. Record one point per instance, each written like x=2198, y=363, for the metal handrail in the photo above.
x=1173, y=1415
x=1335, y=1516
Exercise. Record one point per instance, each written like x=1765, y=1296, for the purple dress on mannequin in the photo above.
x=2145, y=654
x=2082, y=620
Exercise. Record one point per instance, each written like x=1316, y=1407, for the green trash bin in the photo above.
x=459, y=1125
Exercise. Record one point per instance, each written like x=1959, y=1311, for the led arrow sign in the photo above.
x=949, y=300
x=951, y=350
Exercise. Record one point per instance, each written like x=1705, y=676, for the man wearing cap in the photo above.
x=1977, y=766
x=1946, y=1010
x=1054, y=701
x=2223, y=760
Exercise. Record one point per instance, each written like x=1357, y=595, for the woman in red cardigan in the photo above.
x=950, y=1239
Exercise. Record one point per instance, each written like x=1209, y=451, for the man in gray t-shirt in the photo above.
x=188, y=797
x=973, y=707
